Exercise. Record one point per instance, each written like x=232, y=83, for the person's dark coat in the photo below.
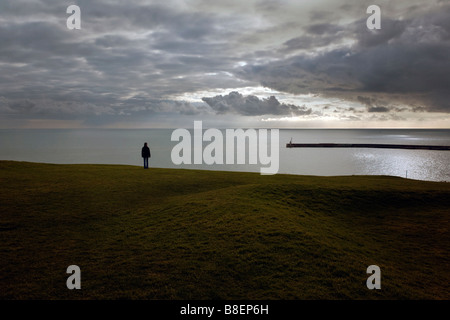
x=146, y=152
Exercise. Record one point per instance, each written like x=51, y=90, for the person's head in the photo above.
x=145, y=144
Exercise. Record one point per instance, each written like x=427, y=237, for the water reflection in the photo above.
x=416, y=164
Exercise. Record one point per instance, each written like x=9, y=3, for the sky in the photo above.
x=252, y=63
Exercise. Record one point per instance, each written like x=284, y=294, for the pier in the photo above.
x=367, y=145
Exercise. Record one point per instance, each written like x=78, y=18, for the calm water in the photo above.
x=120, y=146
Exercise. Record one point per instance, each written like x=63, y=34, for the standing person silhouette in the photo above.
x=145, y=154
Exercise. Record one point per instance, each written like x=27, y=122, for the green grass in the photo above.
x=189, y=234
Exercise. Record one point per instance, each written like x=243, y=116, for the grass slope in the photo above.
x=187, y=234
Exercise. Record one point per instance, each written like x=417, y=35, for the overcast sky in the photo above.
x=252, y=63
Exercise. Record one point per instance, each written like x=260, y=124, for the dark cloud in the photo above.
x=390, y=30
x=121, y=41
x=373, y=105
x=251, y=105
x=378, y=109
x=52, y=108
x=139, y=57
x=406, y=58
x=307, y=42
x=323, y=28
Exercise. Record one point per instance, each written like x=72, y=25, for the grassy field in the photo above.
x=187, y=234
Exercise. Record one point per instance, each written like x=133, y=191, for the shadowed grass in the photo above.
x=189, y=234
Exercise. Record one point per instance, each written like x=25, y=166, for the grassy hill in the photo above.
x=189, y=234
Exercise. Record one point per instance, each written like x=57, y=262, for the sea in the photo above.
x=123, y=146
